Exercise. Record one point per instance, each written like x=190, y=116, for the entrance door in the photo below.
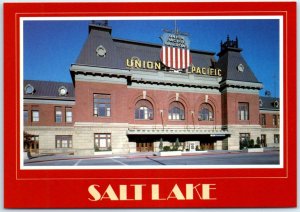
x=207, y=145
x=263, y=140
x=144, y=147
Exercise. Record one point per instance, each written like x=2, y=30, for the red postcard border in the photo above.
x=231, y=188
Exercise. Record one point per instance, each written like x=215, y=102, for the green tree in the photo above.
x=28, y=141
x=161, y=145
x=258, y=143
x=177, y=144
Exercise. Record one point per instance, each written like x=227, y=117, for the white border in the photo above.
x=280, y=18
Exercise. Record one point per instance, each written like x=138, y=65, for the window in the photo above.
x=63, y=141
x=243, y=111
x=275, y=120
x=176, y=111
x=206, y=112
x=102, y=141
x=29, y=89
x=35, y=116
x=62, y=91
x=143, y=110
x=244, y=139
x=25, y=116
x=102, y=105
x=263, y=119
x=244, y=136
x=276, y=139
x=68, y=114
x=58, y=115
x=263, y=140
x=35, y=144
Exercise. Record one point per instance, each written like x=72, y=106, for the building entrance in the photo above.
x=144, y=147
x=207, y=145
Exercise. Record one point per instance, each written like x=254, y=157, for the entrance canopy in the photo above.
x=170, y=131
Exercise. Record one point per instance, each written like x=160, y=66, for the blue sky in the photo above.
x=50, y=47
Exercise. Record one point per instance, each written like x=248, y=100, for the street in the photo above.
x=237, y=158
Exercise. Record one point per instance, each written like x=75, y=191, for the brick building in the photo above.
x=129, y=96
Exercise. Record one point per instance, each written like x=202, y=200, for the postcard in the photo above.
x=150, y=104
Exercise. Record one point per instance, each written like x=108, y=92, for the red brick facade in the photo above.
x=269, y=120
x=230, y=102
x=47, y=115
x=123, y=100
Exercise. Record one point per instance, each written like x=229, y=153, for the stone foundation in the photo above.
x=83, y=138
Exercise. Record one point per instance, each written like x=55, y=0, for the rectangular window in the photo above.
x=263, y=140
x=35, y=116
x=102, y=141
x=25, y=116
x=263, y=119
x=58, y=115
x=276, y=139
x=243, y=111
x=102, y=105
x=69, y=114
x=63, y=141
x=35, y=144
x=244, y=136
x=244, y=140
x=275, y=119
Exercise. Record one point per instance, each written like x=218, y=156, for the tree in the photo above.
x=177, y=144
x=28, y=141
x=161, y=145
x=251, y=143
x=258, y=142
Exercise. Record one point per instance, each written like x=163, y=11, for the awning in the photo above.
x=211, y=132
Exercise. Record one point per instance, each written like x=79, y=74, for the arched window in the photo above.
x=143, y=110
x=206, y=112
x=176, y=111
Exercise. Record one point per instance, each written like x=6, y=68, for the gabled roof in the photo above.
x=49, y=89
x=269, y=103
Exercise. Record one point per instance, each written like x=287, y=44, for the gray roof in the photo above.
x=228, y=63
x=118, y=50
x=49, y=89
x=268, y=103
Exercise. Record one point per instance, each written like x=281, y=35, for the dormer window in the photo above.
x=240, y=68
x=101, y=51
x=276, y=104
x=260, y=103
x=62, y=91
x=29, y=89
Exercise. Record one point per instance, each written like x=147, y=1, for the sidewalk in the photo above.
x=53, y=157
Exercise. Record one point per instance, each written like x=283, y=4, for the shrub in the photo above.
x=243, y=144
x=251, y=143
x=175, y=148
x=166, y=148
x=97, y=148
x=198, y=148
x=256, y=146
x=258, y=142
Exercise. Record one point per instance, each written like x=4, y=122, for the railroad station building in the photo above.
x=130, y=96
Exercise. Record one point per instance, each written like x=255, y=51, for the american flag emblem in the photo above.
x=176, y=58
